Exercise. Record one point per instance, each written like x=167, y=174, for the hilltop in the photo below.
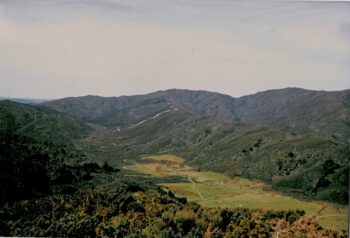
x=290, y=109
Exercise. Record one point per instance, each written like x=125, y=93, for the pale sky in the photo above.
x=59, y=48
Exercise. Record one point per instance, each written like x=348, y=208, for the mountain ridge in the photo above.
x=290, y=109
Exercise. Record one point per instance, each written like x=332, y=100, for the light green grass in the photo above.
x=211, y=189
x=162, y=158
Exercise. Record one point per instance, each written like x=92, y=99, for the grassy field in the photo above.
x=212, y=189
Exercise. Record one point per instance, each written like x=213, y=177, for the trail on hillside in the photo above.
x=155, y=116
x=195, y=188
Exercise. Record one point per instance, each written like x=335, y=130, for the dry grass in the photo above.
x=211, y=189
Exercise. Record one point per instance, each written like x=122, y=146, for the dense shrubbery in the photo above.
x=136, y=210
x=40, y=123
x=310, y=167
x=24, y=168
x=30, y=169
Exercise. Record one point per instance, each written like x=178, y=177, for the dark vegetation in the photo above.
x=23, y=170
x=307, y=166
x=210, y=130
x=34, y=169
x=40, y=122
x=61, y=177
x=141, y=210
x=37, y=156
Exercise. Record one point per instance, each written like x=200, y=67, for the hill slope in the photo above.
x=298, y=110
x=137, y=209
x=218, y=132
x=291, y=109
x=39, y=122
x=124, y=110
x=304, y=165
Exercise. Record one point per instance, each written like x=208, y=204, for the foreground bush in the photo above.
x=134, y=210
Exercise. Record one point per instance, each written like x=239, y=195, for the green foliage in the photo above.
x=45, y=187
x=102, y=214
x=23, y=170
x=292, y=164
x=8, y=123
x=30, y=168
x=39, y=122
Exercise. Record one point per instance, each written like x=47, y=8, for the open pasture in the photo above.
x=213, y=189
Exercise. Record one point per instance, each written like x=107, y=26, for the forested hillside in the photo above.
x=308, y=166
x=65, y=172
x=40, y=122
x=290, y=109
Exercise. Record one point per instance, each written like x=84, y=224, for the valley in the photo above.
x=189, y=153
x=294, y=164
x=174, y=118
x=211, y=189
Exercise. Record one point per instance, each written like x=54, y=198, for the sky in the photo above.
x=59, y=48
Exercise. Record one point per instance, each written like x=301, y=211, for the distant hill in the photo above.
x=124, y=110
x=39, y=122
x=298, y=110
x=24, y=100
x=291, y=109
